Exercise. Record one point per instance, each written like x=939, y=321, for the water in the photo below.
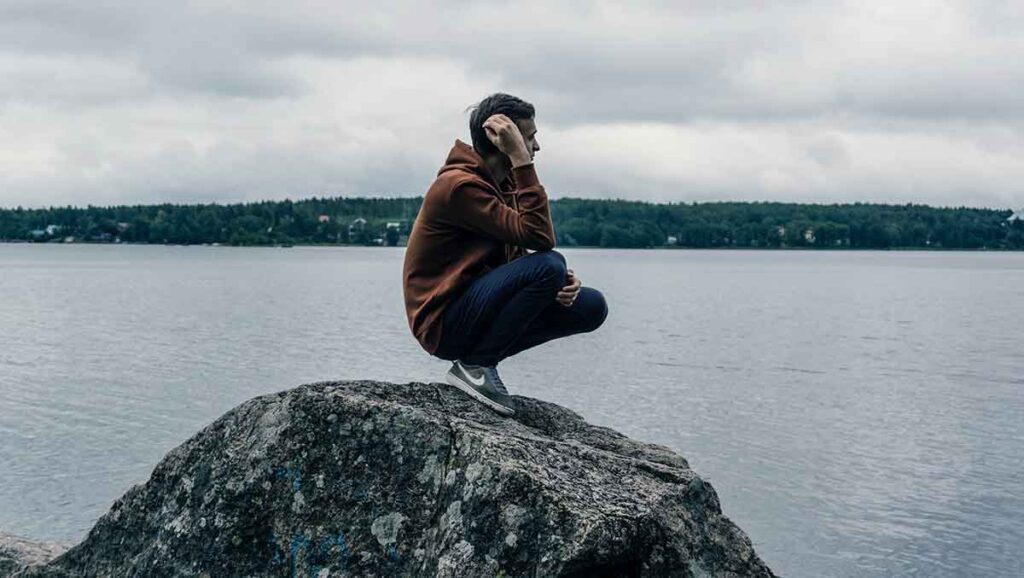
x=860, y=414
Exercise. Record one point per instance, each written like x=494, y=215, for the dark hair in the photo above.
x=498, y=103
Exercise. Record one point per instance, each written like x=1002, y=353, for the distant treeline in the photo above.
x=578, y=222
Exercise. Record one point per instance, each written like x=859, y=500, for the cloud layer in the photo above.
x=135, y=102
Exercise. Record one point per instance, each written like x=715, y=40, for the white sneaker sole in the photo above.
x=455, y=381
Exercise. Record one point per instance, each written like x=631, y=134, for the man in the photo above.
x=473, y=294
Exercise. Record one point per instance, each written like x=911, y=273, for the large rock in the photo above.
x=364, y=478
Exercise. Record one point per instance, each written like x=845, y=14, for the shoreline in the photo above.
x=587, y=247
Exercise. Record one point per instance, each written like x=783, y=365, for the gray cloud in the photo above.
x=127, y=101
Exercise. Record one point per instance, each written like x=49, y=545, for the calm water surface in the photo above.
x=860, y=414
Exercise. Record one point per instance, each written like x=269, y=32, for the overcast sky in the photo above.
x=109, y=102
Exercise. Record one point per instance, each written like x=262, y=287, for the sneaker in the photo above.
x=483, y=384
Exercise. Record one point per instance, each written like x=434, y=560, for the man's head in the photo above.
x=521, y=113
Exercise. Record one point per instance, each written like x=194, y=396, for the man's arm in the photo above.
x=483, y=212
x=516, y=252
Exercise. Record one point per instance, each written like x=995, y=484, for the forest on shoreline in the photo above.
x=578, y=222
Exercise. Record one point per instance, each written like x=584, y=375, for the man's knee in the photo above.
x=551, y=261
x=596, y=307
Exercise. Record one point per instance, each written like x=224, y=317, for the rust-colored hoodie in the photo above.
x=468, y=224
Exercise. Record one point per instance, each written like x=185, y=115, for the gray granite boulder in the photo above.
x=18, y=553
x=364, y=478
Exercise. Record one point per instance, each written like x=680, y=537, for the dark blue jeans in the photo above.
x=512, y=308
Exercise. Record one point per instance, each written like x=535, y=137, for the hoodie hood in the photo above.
x=463, y=157
x=464, y=164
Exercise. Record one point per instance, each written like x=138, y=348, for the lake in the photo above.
x=859, y=413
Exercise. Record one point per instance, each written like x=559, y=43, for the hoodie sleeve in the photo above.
x=530, y=226
x=516, y=252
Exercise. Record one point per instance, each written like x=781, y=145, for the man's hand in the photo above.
x=567, y=296
x=506, y=136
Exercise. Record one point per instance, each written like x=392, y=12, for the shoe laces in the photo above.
x=492, y=372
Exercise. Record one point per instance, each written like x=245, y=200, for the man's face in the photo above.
x=529, y=129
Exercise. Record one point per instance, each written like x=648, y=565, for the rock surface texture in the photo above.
x=17, y=553
x=364, y=478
